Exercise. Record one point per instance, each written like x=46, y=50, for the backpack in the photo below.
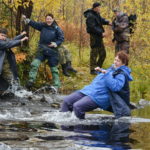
x=132, y=22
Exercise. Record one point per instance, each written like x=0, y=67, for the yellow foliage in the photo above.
x=20, y=57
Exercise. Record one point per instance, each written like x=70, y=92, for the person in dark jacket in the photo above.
x=8, y=68
x=98, y=93
x=51, y=36
x=94, y=26
x=121, y=29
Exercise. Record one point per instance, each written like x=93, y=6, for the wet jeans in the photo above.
x=79, y=103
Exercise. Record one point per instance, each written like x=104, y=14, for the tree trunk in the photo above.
x=81, y=28
x=23, y=10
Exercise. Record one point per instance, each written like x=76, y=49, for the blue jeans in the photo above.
x=79, y=103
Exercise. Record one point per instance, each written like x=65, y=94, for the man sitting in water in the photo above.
x=105, y=88
x=8, y=68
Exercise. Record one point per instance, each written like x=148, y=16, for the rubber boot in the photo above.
x=29, y=85
x=55, y=77
x=33, y=73
x=69, y=67
x=64, y=70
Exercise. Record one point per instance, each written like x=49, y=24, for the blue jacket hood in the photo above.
x=127, y=71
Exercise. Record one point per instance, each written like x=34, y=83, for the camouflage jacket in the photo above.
x=120, y=26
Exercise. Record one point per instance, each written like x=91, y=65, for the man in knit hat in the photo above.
x=94, y=23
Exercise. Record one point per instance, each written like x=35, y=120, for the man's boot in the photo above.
x=33, y=73
x=29, y=85
x=69, y=67
x=64, y=70
x=55, y=77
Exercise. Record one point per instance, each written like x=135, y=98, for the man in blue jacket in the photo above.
x=51, y=36
x=8, y=68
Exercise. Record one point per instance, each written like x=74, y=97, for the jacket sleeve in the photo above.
x=104, y=21
x=116, y=83
x=9, y=44
x=36, y=25
x=18, y=37
x=92, y=25
x=60, y=36
x=122, y=24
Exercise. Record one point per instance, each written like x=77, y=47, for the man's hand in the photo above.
x=53, y=44
x=23, y=33
x=24, y=17
x=104, y=34
x=110, y=24
x=24, y=39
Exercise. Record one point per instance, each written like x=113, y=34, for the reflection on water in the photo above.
x=35, y=125
x=107, y=135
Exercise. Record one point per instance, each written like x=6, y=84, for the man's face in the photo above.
x=116, y=13
x=3, y=36
x=49, y=20
x=97, y=9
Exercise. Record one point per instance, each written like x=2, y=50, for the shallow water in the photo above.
x=36, y=124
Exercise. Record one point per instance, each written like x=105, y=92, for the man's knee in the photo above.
x=77, y=108
x=66, y=101
x=78, y=111
x=36, y=63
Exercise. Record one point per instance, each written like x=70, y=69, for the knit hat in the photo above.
x=96, y=4
x=116, y=10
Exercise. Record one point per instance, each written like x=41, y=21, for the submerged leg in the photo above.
x=84, y=105
x=69, y=100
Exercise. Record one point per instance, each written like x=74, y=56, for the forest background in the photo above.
x=69, y=16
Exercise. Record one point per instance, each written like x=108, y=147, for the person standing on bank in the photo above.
x=94, y=23
x=51, y=36
x=120, y=27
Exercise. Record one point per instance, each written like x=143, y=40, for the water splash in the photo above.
x=23, y=93
x=4, y=147
x=15, y=114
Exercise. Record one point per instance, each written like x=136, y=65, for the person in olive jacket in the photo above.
x=94, y=26
x=51, y=36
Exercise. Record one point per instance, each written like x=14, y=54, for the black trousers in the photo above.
x=98, y=52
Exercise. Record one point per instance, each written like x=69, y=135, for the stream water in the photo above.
x=33, y=122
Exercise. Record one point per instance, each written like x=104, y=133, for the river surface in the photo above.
x=35, y=123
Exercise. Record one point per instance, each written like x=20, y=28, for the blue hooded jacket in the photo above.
x=99, y=89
